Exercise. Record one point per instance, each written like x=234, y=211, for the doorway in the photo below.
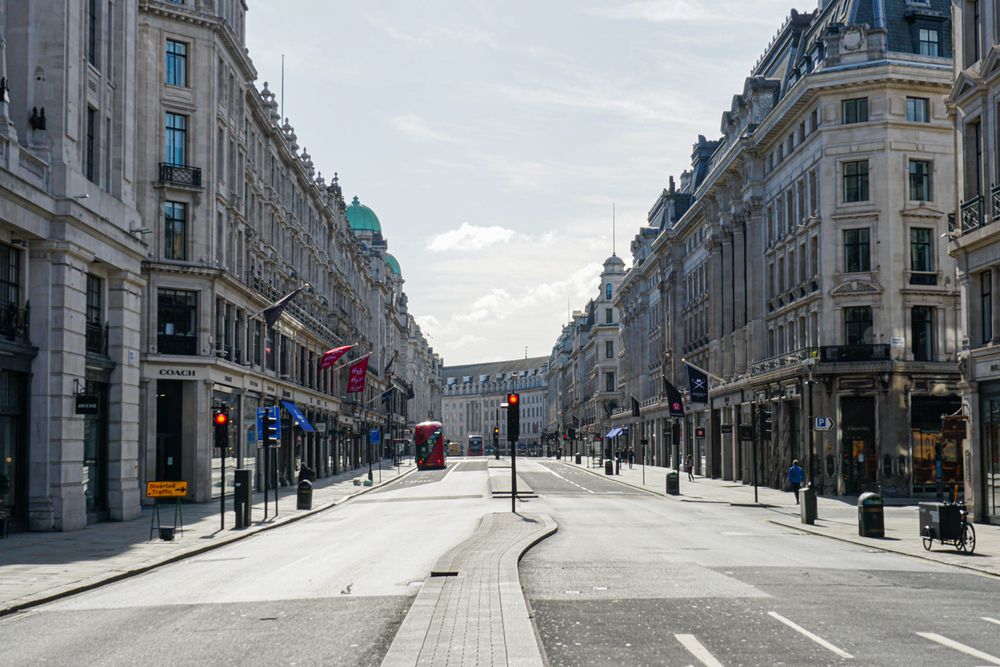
x=169, y=428
x=859, y=460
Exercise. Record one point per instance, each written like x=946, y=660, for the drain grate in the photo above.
x=444, y=574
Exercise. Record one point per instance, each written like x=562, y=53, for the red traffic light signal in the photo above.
x=512, y=399
x=221, y=418
x=220, y=421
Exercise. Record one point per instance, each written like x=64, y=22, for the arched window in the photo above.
x=607, y=291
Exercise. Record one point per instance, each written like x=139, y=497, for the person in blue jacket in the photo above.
x=795, y=476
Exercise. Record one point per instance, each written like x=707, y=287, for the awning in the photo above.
x=299, y=418
x=613, y=432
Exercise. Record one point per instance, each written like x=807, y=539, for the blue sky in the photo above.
x=491, y=138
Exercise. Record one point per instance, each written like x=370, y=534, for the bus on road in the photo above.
x=475, y=447
x=428, y=438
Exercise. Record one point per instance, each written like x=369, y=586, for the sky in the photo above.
x=493, y=138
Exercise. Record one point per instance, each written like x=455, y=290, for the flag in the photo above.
x=409, y=391
x=330, y=357
x=635, y=407
x=386, y=395
x=674, y=399
x=389, y=365
x=273, y=312
x=357, y=375
x=697, y=384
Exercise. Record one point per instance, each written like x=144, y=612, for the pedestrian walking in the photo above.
x=795, y=476
x=689, y=468
x=631, y=457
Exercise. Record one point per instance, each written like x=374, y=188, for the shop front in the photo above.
x=859, y=457
x=14, y=446
x=933, y=455
x=989, y=438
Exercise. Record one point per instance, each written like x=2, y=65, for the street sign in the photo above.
x=746, y=432
x=824, y=423
x=166, y=489
x=726, y=428
x=276, y=420
x=373, y=436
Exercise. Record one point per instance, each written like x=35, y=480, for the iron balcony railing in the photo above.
x=971, y=214
x=849, y=353
x=178, y=174
x=793, y=358
x=995, y=202
x=97, y=338
x=14, y=322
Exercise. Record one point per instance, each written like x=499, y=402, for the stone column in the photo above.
x=147, y=436
x=729, y=288
x=57, y=294
x=124, y=302
x=739, y=296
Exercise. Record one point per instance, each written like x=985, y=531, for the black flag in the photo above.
x=273, y=312
x=697, y=384
x=409, y=391
x=635, y=407
x=674, y=399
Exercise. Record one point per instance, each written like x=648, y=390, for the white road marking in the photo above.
x=567, y=480
x=968, y=650
x=696, y=649
x=991, y=620
x=816, y=638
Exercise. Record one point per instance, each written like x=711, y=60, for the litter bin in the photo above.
x=167, y=533
x=241, y=497
x=673, y=483
x=609, y=467
x=304, y=499
x=807, y=505
x=871, y=516
x=579, y=458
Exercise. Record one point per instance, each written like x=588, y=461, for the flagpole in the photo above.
x=348, y=363
x=699, y=368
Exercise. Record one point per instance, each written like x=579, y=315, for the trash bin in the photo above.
x=673, y=483
x=241, y=497
x=167, y=533
x=579, y=458
x=807, y=505
x=609, y=467
x=871, y=517
x=304, y=499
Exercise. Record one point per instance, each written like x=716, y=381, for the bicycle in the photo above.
x=963, y=538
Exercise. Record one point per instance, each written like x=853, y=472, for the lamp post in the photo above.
x=809, y=364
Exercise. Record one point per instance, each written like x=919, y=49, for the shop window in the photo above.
x=177, y=321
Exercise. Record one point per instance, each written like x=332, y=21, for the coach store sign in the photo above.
x=175, y=373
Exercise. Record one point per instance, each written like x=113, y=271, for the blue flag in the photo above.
x=697, y=384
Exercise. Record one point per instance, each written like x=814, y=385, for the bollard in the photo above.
x=304, y=497
x=579, y=458
x=807, y=505
x=241, y=497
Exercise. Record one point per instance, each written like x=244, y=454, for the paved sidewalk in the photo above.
x=837, y=515
x=38, y=567
x=471, y=610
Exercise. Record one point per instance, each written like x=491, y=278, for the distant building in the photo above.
x=472, y=395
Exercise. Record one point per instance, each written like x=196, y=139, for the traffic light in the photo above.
x=513, y=417
x=269, y=428
x=572, y=434
x=766, y=425
x=496, y=431
x=220, y=426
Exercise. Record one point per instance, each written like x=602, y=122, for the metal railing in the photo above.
x=849, y=353
x=177, y=174
x=793, y=358
x=14, y=322
x=971, y=214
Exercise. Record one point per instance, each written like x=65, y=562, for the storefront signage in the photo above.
x=953, y=427
x=985, y=369
x=166, y=489
x=897, y=342
x=87, y=404
x=254, y=384
x=228, y=378
x=726, y=428
x=178, y=372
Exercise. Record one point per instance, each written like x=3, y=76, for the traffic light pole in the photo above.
x=753, y=446
x=513, y=476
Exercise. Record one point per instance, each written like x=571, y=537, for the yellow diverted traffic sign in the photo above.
x=166, y=489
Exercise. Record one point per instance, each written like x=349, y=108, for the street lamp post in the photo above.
x=809, y=365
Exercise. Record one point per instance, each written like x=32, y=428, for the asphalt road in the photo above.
x=641, y=580
x=331, y=589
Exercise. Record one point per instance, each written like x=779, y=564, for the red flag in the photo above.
x=358, y=375
x=330, y=357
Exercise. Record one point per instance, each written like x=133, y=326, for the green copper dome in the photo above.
x=393, y=264
x=361, y=218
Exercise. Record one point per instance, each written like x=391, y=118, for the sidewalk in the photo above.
x=38, y=567
x=837, y=516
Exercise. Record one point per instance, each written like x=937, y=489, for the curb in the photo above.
x=881, y=547
x=197, y=551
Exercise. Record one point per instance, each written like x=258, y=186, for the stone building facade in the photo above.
x=472, y=394
x=132, y=282
x=975, y=243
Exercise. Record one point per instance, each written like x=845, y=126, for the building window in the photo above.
x=92, y=32
x=177, y=321
x=175, y=230
x=986, y=304
x=855, y=110
x=609, y=317
x=609, y=349
x=922, y=332
x=855, y=181
x=929, y=39
x=176, y=63
x=609, y=381
x=176, y=139
x=918, y=110
x=10, y=275
x=607, y=291
x=94, y=333
x=857, y=257
x=90, y=153
x=858, y=325
x=920, y=180
x=921, y=258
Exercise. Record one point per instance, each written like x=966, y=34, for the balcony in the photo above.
x=97, y=338
x=971, y=214
x=176, y=174
x=14, y=322
x=789, y=359
x=853, y=353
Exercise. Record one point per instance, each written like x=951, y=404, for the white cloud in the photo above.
x=413, y=126
x=676, y=11
x=470, y=237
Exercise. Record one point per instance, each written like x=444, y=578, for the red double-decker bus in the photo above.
x=429, y=441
